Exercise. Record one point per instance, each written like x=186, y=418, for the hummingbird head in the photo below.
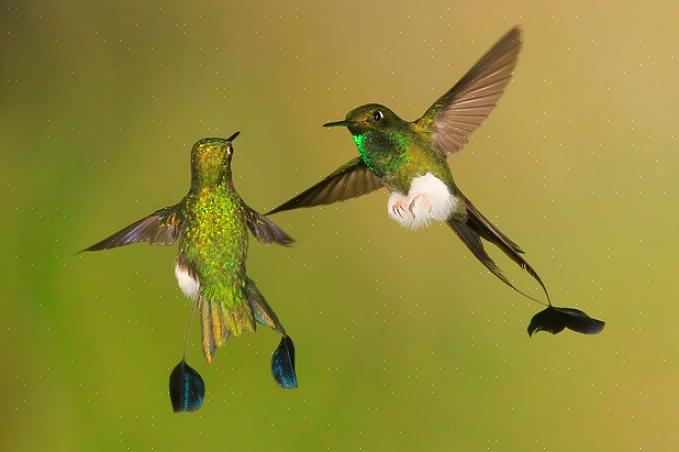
x=211, y=160
x=369, y=117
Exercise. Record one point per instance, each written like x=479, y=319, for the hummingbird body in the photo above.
x=421, y=184
x=409, y=159
x=210, y=224
x=212, y=251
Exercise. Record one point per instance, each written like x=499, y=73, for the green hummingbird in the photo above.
x=409, y=159
x=210, y=225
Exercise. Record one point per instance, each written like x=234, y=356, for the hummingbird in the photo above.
x=409, y=159
x=210, y=225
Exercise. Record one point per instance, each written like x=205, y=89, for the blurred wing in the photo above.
x=264, y=229
x=159, y=228
x=349, y=181
x=459, y=112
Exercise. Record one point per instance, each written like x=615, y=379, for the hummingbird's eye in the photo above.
x=378, y=116
x=229, y=150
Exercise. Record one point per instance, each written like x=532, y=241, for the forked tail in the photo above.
x=219, y=323
x=476, y=226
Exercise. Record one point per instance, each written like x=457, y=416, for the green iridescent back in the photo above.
x=215, y=242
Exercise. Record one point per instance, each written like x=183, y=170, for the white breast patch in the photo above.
x=428, y=199
x=188, y=283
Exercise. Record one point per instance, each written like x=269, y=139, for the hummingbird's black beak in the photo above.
x=233, y=137
x=345, y=123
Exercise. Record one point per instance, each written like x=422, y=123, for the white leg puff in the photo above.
x=428, y=199
x=188, y=283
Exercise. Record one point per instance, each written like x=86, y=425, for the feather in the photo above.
x=187, y=388
x=349, y=181
x=554, y=320
x=283, y=364
x=159, y=228
x=452, y=119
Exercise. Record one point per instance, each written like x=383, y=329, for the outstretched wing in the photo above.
x=264, y=229
x=349, y=181
x=159, y=228
x=459, y=112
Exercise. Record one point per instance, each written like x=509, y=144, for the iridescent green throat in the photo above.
x=360, y=144
x=382, y=152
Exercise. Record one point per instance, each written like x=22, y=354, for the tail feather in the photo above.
x=220, y=322
x=488, y=230
x=218, y=325
x=260, y=308
x=239, y=319
x=283, y=359
x=207, y=332
x=475, y=227
x=553, y=319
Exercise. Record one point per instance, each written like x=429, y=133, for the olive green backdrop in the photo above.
x=404, y=341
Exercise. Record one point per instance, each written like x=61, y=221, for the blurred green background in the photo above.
x=404, y=341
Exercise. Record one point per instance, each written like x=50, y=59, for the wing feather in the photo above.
x=459, y=112
x=349, y=181
x=264, y=229
x=159, y=228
